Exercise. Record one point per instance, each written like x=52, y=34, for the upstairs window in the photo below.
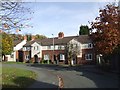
x=88, y=56
x=37, y=48
x=61, y=47
x=24, y=48
x=90, y=45
x=34, y=48
x=48, y=47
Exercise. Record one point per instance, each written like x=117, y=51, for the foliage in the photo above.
x=13, y=16
x=37, y=36
x=107, y=36
x=17, y=36
x=17, y=78
x=29, y=36
x=73, y=49
x=7, y=44
x=0, y=46
x=84, y=30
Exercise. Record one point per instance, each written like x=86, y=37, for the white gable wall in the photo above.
x=20, y=45
x=16, y=48
x=36, y=49
x=74, y=41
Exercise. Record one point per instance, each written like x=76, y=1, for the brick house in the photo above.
x=55, y=49
x=31, y=51
x=18, y=45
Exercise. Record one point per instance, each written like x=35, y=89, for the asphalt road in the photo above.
x=74, y=77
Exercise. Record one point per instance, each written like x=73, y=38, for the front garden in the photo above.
x=17, y=78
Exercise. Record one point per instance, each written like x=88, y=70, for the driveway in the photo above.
x=74, y=77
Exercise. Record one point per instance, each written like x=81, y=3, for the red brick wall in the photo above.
x=82, y=59
x=79, y=60
x=16, y=54
x=50, y=53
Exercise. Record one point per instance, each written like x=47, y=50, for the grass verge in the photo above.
x=17, y=78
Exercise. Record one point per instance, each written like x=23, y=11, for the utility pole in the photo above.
x=53, y=46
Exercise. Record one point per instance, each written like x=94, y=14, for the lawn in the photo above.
x=17, y=78
x=12, y=62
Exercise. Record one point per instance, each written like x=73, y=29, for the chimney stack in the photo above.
x=32, y=38
x=60, y=35
x=25, y=37
x=1, y=31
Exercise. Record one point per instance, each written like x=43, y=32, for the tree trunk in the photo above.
x=70, y=62
x=3, y=57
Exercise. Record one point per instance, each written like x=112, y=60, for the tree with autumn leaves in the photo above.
x=107, y=36
x=7, y=44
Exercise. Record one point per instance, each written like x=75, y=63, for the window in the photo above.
x=59, y=47
x=37, y=48
x=34, y=48
x=62, y=47
x=48, y=47
x=90, y=45
x=62, y=57
x=27, y=57
x=12, y=55
x=27, y=48
x=56, y=47
x=24, y=48
x=46, y=57
x=88, y=56
x=84, y=46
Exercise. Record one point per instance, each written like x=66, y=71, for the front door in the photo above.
x=36, y=58
x=74, y=60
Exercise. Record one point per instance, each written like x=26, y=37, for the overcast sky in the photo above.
x=54, y=17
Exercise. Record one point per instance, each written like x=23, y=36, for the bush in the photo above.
x=45, y=61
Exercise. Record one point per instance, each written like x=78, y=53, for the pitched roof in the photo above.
x=49, y=41
x=63, y=41
x=15, y=42
x=29, y=43
x=84, y=39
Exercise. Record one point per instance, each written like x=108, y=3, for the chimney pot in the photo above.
x=60, y=35
x=25, y=37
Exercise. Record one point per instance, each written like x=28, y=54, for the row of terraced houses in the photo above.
x=54, y=50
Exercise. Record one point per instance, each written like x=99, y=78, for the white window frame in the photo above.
x=24, y=49
x=27, y=57
x=59, y=47
x=62, y=47
x=34, y=48
x=87, y=56
x=46, y=57
x=90, y=45
x=56, y=47
x=62, y=57
x=12, y=55
x=37, y=48
x=27, y=48
x=48, y=47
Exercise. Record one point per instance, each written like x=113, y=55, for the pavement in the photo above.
x=74, y=77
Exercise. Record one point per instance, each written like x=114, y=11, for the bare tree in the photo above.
x=12, y=15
